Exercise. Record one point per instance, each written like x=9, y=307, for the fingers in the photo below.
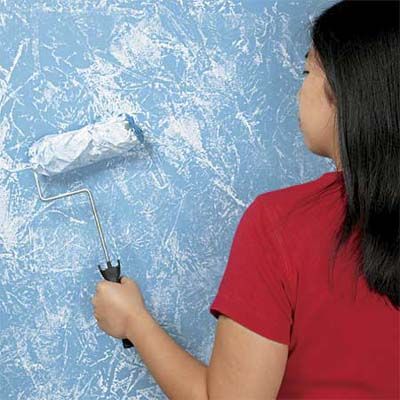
x=100, y=285
x=93, y=301
x=95, y=314
x=94, y=307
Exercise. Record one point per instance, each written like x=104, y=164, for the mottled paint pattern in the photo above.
x=213, y=85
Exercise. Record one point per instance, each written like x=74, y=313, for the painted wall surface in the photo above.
x=213, y=85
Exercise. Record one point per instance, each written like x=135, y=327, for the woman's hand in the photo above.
x=117, y=305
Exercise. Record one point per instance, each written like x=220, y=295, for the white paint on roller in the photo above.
x=58, y=153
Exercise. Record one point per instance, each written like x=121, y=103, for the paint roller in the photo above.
x=59, y=153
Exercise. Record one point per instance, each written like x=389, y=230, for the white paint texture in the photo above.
x=213, y=85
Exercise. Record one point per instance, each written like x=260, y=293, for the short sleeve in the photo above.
x=254, y=287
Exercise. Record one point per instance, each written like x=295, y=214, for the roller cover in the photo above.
x=58, y=153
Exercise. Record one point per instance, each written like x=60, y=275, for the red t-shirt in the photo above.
x=343, y=340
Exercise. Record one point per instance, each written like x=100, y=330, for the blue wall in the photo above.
x=213, y=85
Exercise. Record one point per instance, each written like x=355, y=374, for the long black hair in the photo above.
x=357, y=44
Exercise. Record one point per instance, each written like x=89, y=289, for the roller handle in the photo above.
x=113, y=274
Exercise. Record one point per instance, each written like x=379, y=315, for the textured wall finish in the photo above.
x=213, y=85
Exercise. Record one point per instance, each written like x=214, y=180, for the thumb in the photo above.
x=124, y=280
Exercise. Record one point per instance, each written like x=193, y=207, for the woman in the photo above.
x=303, y=311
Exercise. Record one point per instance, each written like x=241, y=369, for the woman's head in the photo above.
x=352, y=83
x=350, y=111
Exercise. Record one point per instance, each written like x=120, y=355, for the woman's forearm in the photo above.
x=179, y=374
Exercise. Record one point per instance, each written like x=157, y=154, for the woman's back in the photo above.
x=343, y=338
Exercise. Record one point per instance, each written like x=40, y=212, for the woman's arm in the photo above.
x=243, y=364
x=179, y=375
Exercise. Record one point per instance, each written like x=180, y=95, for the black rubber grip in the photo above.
x=113, y=274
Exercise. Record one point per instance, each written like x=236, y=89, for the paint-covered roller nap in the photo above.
x=58, y=153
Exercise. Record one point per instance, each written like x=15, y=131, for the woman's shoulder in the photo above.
x=288, y=195
x=311, y=198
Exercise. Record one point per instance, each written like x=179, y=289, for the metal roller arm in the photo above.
x=92, y=204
